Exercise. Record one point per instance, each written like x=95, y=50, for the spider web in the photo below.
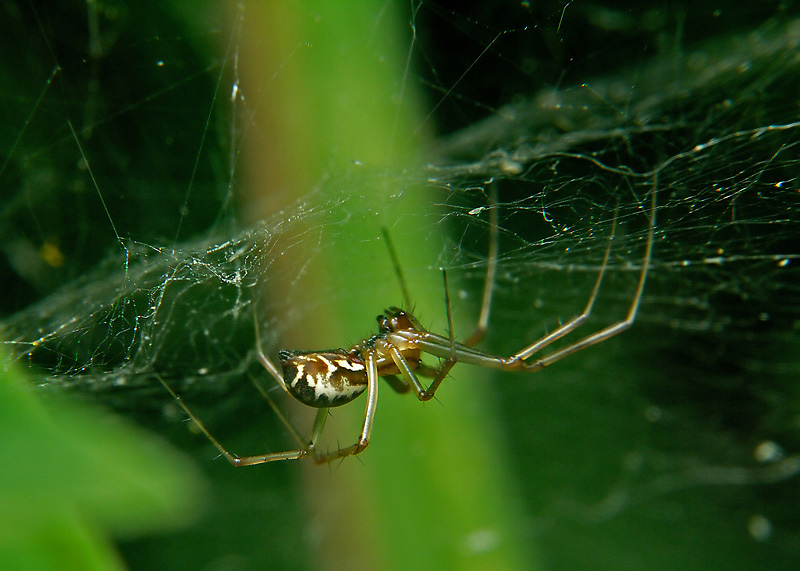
x=126, y=254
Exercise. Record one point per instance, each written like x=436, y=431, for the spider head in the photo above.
x=394, y=319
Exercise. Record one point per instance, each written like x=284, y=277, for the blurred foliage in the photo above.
x=74, y=476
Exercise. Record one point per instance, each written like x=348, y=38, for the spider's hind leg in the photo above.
x=369, y=417
x=230, y=457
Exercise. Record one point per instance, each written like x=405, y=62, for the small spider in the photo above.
x=330, y=378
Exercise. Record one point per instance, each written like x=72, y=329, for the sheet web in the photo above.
x=160, y=280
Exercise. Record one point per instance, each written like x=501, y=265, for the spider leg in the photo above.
x=445, y=366
x=486, y=303
x=445, y=348
x=441, y=373
x=398, y=270
x=307, y=450
x=411, y=378
x=611, y=330
x=233, y=458
x=319, y=422
x=576, y=321
x=408, y=374
x=369, y=416
x=262, y=357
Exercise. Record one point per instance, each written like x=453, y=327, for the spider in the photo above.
x=334, y=377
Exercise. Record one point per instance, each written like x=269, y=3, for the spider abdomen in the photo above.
x=323, y=378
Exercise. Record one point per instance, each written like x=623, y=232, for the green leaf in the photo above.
x=73, y=474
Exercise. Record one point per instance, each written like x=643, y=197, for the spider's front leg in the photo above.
x=405, y=368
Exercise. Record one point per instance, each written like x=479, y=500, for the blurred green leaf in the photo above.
x=72, y=474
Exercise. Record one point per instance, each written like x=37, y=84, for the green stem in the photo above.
x=433, y=485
